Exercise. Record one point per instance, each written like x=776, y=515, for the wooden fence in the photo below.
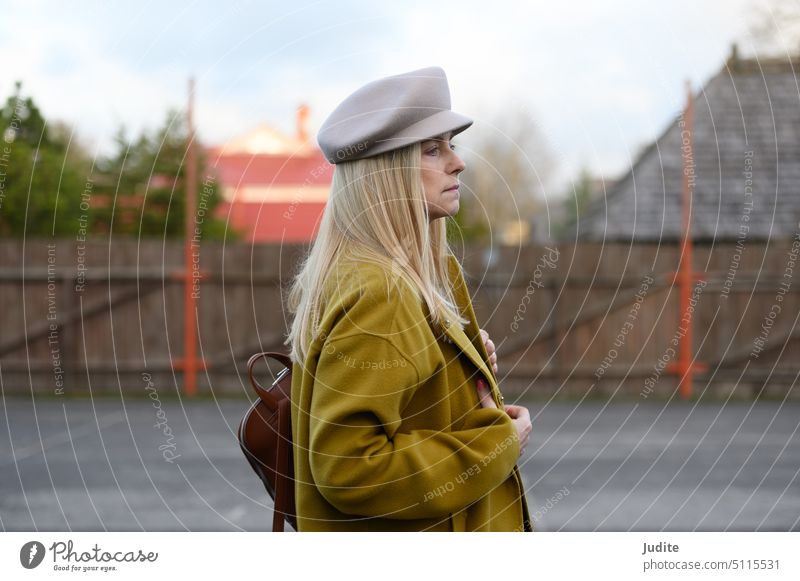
x=577, y=320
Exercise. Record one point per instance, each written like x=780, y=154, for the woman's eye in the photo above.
x=433, y=150
x=453, y=146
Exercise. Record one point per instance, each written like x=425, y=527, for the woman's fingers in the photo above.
x=522, y=420
x=485, y=395
x=519, y=415
x=490, y=349
x=516, y=411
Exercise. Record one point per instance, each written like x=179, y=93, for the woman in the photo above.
x=397, y=420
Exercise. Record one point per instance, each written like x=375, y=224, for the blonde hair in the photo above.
x=376, y=212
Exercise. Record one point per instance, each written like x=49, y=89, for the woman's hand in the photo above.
x=490, y=349
x=519, y=415
x=522, y=420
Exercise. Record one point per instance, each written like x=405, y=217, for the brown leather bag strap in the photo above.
x=262, y=392
x=282, y=480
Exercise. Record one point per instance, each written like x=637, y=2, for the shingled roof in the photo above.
x=746, y=119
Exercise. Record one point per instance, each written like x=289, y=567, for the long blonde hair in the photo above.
x=376, y=212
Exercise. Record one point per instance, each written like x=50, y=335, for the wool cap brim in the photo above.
x=390, y=113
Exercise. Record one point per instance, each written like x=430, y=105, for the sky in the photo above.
x=598, y=79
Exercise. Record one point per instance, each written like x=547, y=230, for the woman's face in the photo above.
x=440, y=169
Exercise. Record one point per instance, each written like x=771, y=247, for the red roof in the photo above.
x=241, y=169
x=272, y=222
x=265, y=158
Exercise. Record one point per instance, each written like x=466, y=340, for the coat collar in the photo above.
x=468, y=340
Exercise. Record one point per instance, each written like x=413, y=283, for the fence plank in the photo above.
x=127, y=317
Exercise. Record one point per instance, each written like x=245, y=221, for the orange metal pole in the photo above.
x=190, y=305
x=685, y=345
x=190, y=363
x=685, y=276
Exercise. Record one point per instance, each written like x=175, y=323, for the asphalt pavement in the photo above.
x=171, y=465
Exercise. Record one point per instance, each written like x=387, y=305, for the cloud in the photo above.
x=581, y=68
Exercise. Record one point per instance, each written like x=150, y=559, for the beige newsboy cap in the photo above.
x=390, y=113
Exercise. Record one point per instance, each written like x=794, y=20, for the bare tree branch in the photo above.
x=509, y=165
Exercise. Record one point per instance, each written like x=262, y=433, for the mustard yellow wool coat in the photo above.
x=388, y=431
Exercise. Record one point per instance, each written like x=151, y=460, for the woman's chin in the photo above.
x=447, y=210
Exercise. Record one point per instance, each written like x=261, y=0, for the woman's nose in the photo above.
x=458, y=164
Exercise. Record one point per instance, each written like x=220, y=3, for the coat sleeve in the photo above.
x=363, y=464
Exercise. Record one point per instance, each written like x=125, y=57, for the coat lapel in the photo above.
x=468, y=348
x=473, y=348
